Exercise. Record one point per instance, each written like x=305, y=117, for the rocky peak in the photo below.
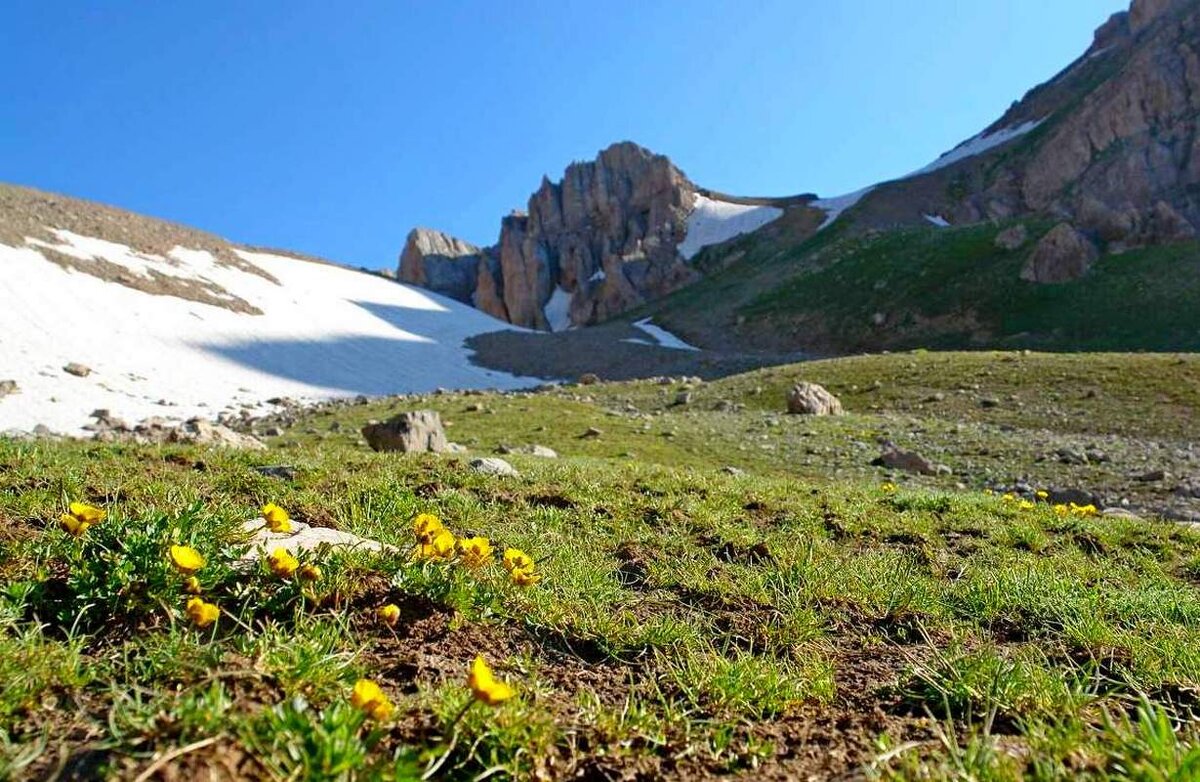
x=440, y=262
x=599, y=241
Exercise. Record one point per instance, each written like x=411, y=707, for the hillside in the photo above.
x=723, y=591
x=175, y=323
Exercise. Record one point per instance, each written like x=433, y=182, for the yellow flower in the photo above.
x=80, y=517
x=888, y=487
x=1042, y=494
x=522, y=576
x=1026, y=505
x=484, y=685
x=441, y=547
x=192, y=586
x=186, y=559
x=368, y=696
x=426, y=526
x=1061, y=510
x=475, y=552
x=389, y=614
x=988, y=492
x=282, y=563
x=1084, y=510
x=515, y=559
x=1009, y=497
x=201, y=613
x=276, y=517
x=309, y=573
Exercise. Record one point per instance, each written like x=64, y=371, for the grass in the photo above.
x=940, y=288
x=800, y=619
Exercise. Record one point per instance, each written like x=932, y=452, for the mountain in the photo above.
x=165, y=320
x=614, y=233
x=1069, y=222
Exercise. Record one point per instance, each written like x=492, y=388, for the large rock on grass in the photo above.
x=1063, y=255
x=413, y=432
x=812, y=399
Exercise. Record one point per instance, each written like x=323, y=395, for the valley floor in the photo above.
x=718, y=589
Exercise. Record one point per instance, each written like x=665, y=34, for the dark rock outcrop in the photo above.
x=418, y=431
x=604, y=237
x=1062, y=255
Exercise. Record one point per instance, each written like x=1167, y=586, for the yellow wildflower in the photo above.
x=1009, y=497
x=389, y=614
x=441, y=547
x=475, y=552
x=426, y=526
x=1084, y=510
x=309, y=573
x=368, y=696
x=276, y=517
x=80, y=517
x=514, y=558
x=484, y=685
x=186, y=559
x=1061, y=510
x=282, y=563
x=1042, y=494
x=1026, y=505
x=192, y=586
x=888, y=487
x=524, y=576
x=201, y=613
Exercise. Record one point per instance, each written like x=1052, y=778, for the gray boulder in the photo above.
x=413, y=432
x=490, y=465
x=812, y=399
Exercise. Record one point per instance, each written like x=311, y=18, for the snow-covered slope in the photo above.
x=713, y=222
x=324, y=331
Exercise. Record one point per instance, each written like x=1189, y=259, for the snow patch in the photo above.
x=835, y=206
x=977, y=146
x=937, y=220
x=558, y=310
x=662, y=338
x=326, y=331
x=713, y=222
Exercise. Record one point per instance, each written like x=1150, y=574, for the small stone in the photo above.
x=731, y=470
x=1151, y=476
x=8, y=387
x=284, y=472
x=78, y=370
x=897, y=458
x=589, y=379
x=490, y=465
x=591, y=433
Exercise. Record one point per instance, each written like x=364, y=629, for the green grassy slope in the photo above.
x=803, y=620
x=938, y=288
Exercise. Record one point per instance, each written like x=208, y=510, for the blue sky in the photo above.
x=332, y=128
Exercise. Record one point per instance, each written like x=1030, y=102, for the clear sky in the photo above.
x=332, y=128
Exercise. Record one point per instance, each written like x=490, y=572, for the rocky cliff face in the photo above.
x=1114, y=151
x=598, y=242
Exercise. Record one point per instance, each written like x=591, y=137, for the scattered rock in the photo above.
x=591, y=433
x=989, y=402
x=731, y=470
x=683, y=398
x=301, y=538
x=78, y=370
x=490, y=465
x=1151, y=476
x=1012, y=237
x=1060, y=496
x=158, y=431
x=456, y=448
x=1062, y=255
x=8, y=387
x=897, y=458
x=529, y=450
x=417, y=431
x=812, y=399
x=589, y=379
x=284, y=472
x=1071, y=456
